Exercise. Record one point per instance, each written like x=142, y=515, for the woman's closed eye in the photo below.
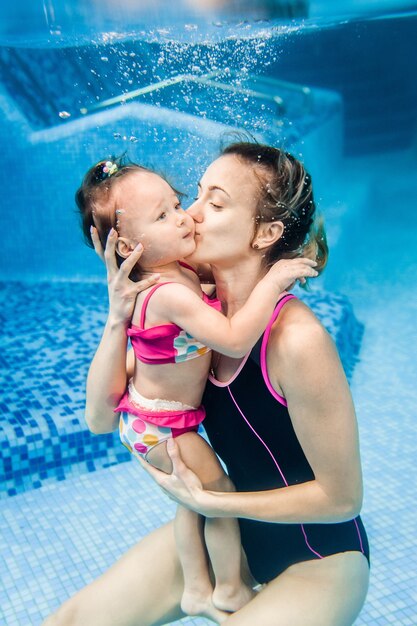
x=215, y=206
x=211, y=203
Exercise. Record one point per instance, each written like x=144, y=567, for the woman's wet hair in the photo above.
x=285, y=195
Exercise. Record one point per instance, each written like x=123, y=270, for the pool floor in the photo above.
x=56, y=539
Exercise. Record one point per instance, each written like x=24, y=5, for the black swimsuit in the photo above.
x=250, y=428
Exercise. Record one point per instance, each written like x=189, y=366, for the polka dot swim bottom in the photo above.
x=140, y=436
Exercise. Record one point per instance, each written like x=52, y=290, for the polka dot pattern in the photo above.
x=150, y=440
x=139, y=426
x=139, y=436
x=187, y=347
x=164, y=430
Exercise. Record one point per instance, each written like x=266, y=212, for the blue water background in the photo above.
x=356, y=129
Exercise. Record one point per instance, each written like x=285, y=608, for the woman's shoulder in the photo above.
x=297, y=330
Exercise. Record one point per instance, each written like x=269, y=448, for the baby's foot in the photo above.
x=229, y=598
x=194, y=604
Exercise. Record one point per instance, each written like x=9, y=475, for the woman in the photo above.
x=282, y=421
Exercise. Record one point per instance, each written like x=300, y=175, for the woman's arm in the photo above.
x=107, y=379
x=304, y=365
x=236, y=335
x=110, y=367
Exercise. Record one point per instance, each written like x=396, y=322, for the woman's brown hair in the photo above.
x=285, y=195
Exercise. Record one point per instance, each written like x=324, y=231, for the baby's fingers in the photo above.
x=306, y=267
x=306, y=272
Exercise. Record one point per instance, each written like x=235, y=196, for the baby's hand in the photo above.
x=285, y=272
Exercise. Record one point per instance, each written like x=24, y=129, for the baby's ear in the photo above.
x=123, y=247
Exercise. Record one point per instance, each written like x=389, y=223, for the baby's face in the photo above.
x=149, y=212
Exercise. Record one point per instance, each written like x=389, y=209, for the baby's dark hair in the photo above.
x=95, y=190
x=285, y=195
x=97, y=203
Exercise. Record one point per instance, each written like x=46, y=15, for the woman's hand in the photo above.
x=122, y=290
x=182, y=485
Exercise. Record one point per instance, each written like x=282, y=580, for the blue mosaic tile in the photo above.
x=50, y=333
x=82, y=505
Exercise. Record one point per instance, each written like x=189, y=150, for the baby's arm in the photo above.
x=235, y=336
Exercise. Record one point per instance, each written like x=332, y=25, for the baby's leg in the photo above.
x=222, y=537
x=222, y=534
x=197, y=597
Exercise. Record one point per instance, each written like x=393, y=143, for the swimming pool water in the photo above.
x=50, y=333
x=60, y=537
x=61, y=528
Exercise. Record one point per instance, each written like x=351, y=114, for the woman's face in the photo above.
x=224, y=212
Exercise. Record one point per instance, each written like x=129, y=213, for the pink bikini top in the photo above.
x=166, y=343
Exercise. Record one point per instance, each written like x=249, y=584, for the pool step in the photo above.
x=50, y=333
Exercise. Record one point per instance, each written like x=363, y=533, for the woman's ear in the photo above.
x=123, y=247
x=268, y=233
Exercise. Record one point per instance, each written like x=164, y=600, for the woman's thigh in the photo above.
x=143, y=588
x=326, y=592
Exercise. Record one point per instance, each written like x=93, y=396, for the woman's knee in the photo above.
x=340, y=581
x=146, y=582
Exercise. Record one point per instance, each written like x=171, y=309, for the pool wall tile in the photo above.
x=49, y=334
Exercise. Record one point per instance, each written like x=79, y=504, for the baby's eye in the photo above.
x=178, y=206
x=162, y=216
x=216, y=206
